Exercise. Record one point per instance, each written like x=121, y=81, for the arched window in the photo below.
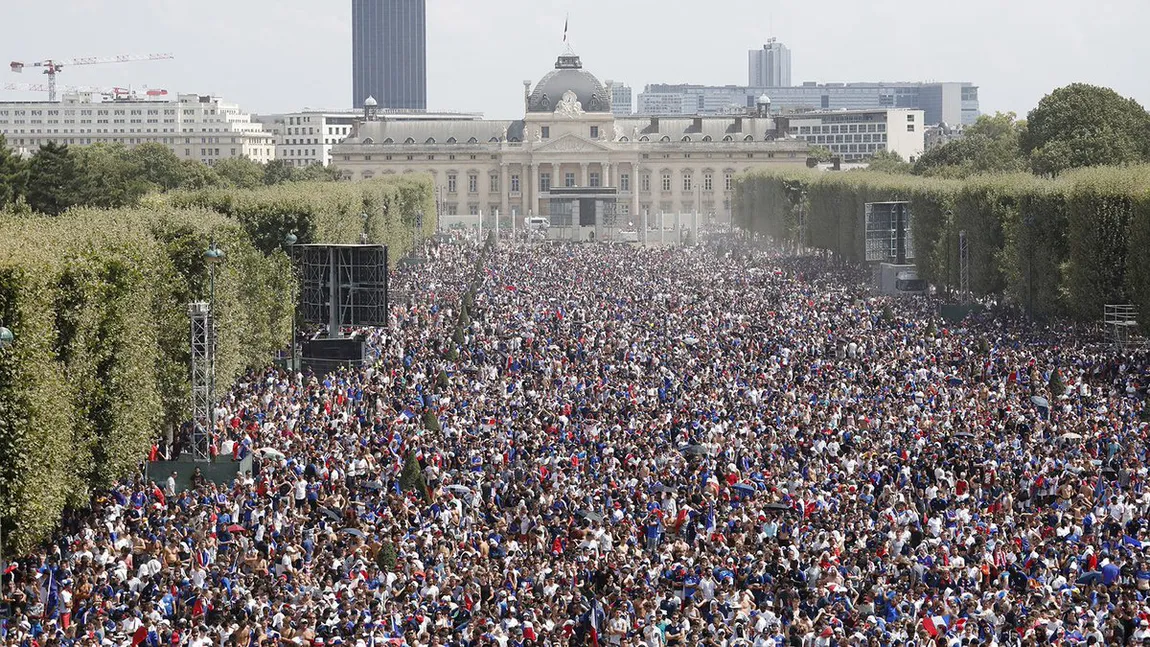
x=686, y=138
x=388, y=141
x=728, y=138
x=409, y=140
x=749, y=138
x=473, y=141
x=367, y=175
x=624, y=139
x=430, y=140
x=644, y=138
x=451, y=140
x=368, y=140
x=493, y=140
x=665, y=139
x=706, y=138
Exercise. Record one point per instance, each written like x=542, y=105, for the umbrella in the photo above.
x=373, y=485
x=236, y=528
x=778, y=507
x=330, y=514
x=587, y=514
x=663, y=489
x=354, y=532
x=744, y=488
x=268, y=452
x=1040, y=402
x=954, y=381
x=1070, y=435
x=459, y=489
x=964, y=434
x=697, y=450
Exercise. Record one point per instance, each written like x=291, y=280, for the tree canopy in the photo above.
x=1085, y=125
x=990, y=145
x=889, y=162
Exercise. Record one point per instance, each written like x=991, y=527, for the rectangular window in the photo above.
x=472, y=183
x=515, y=184
x=708, y=184
x=910, y=128
x=645, y=182
x=452, y=209
x=494, y=184
x=594, y=134
x=910, y=117
x=451, y=183
x=544, y=182
x=545, y=132
x=686, y=182
x=728, y=181
x=594, y=178
x=473, y=209
x=666, y=181
x=624, y=182
x=568, y=179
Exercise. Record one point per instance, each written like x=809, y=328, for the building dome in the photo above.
x=569, y=76
x=370, y=102
x=764, y=99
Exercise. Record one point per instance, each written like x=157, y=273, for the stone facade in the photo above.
x=656, y=164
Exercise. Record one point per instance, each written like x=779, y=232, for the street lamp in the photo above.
x=6, y=340
x=213, y=256
x=949, y=231
x=290, y=240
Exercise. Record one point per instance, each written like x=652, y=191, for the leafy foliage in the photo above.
x=1064, y=246
x=991, y=145
x=889, y=162
x=1085, y=125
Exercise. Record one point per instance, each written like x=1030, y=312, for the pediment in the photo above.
x=571, y=144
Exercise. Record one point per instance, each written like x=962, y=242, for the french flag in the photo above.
x=203, y=557
x=935, y=625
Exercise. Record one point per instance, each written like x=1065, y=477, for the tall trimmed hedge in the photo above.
x=325, y=212
x=1064, y=247
x=98, y=303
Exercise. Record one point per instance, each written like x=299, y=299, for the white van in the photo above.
x=536, y=222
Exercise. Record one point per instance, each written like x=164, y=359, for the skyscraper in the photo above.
x=769, y=67
x=389, y=53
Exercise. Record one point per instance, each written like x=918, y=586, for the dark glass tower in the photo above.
x=389, y=53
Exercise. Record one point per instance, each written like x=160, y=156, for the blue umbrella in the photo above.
x=745, y=488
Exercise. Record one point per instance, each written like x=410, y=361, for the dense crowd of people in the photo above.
x=607, y=445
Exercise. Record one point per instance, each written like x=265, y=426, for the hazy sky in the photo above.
x=283, y=55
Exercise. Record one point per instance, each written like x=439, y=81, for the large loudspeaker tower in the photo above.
x=340, y=286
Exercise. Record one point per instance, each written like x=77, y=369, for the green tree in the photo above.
x=990, y=145
x=1056, y=385
x=889, y=162
x=240, y=172
x=820, y=153
x=278, y=172
x=1085, y=125
x=106, y=177
x=157, y=165
x=51, y=179
x=317, y=173
x=11, y=175
x=197, y=175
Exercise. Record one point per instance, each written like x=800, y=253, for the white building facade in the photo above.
x=306, y=138
x=569, y=138
x=855, y=135
x=622, y=100
x=195, y=127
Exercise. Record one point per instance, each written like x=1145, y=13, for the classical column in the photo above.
x=529, y=200
x=635, y=194
x=607, y=174
x=504, y=188
x=585, y=179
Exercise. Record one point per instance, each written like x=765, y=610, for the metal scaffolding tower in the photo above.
x=1121, y=323
x=963, y=267
x=203, y=374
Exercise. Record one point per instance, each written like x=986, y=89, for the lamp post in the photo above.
x=1029, y=221
x=6, y=340
x=213, y=256
x=290, y=240
x=949, y=232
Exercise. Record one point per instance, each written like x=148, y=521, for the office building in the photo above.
x=952, y=102
x=389, y=53
x=306, y=138
x=854, y=135
x=622, y=104
x=769, y=67
x=195, y=127
x=569, y=138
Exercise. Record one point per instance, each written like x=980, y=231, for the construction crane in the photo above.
x=52, y=66
x=115, y=93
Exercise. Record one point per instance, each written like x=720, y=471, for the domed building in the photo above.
x=569, y=159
